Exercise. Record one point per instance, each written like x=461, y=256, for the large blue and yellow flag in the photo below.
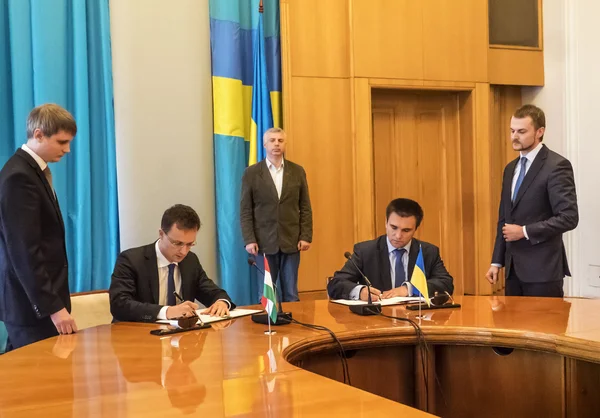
x=262, y=116
x=235, y=35
x=418, y=279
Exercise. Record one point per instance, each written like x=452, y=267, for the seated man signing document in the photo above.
x=147, y=280
x=389, y=261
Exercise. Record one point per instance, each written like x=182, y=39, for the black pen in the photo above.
x=181, y=300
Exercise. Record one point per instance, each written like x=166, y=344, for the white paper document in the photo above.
x=207, y=319
x=398, y=300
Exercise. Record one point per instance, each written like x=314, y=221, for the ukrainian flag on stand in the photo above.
x=418, y=278
x=242, y=57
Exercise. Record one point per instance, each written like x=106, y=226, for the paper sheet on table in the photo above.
x=398, y=300
x=207, y=319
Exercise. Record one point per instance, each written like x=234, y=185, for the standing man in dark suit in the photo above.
x=35, y=302
x=389, y=261
x=276, y=215
x=538, y=204
x=145, y=278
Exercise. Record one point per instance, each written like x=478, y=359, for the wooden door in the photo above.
x=416, y=151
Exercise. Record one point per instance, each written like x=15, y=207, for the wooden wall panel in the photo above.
x=485, y=221
x=387, y=38
x=467, y=135
x=477, y=382
x=385, y=371
x=364, y=206
x=319, y=37
x=582, y=380
x=504, y=101
x=320, y=140
x=455, y=40
x=518, y=67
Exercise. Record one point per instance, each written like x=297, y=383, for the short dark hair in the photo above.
x=405, y=208
x=183, y=216
x=50, y=118
x=535, y=113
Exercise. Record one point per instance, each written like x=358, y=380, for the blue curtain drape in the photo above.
x=58, y=51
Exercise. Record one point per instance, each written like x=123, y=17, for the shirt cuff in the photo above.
x=355, y=293
x=227, y=302
x=162, y=314
x=525, y=233
x=409, y=287
x=497, y=265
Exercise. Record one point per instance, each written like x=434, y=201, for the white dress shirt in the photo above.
x=276, y=175
x=355, y=293
x=43, y=164
x=163, y=281
x=530, y=157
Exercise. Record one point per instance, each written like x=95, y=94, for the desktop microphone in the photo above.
x=283, y=318
x=370, y=308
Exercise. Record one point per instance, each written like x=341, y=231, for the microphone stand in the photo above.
x=370, y=308
x=283, y=318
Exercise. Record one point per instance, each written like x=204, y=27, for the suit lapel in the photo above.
x=38, y=171
x=287, y=176
x=186, y=271
x=384, y=263
x=152, y=270
x=533, y=171
x=507, y=180
x=266, y=177
x=412, y=257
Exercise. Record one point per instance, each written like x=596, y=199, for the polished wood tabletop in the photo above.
x=234, y=369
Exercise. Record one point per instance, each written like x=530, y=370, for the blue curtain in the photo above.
x=58, y=51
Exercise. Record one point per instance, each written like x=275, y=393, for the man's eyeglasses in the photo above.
x=440, y=299
x=179, y=244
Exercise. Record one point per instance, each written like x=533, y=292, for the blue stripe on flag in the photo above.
x=245, y=13
x=230, y=163
x=228, y=36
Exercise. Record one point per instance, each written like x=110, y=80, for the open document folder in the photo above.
x=207, y=319
x=398, y=300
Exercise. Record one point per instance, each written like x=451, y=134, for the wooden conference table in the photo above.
x=235, y=369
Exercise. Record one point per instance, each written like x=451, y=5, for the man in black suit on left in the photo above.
x=145, y=279
x=35, y=302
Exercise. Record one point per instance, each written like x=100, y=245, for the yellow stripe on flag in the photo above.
x=253, y=141
x=232, y=107
x=419, y=281
x=276, y=108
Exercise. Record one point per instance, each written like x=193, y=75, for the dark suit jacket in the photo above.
x=546, y=205
x=34, y=280
x=373, y=259
x=134, y=288
x=275, y=224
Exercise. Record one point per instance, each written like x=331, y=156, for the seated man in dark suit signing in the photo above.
x=389, y=261
x=146, y=278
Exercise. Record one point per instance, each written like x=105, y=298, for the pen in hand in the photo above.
x=181, y=300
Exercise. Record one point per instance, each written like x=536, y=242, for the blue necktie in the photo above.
x=520, y=178
x=171, y=286
x=400, y=274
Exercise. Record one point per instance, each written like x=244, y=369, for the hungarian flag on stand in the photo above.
x=268, y=298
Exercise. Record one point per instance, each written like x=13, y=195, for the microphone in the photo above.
x=370, y=308
x=283, y=318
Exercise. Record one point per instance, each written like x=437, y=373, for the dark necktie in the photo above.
x=171, y=286
x=48, y=175
x=400, y=274
x=520, y=178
